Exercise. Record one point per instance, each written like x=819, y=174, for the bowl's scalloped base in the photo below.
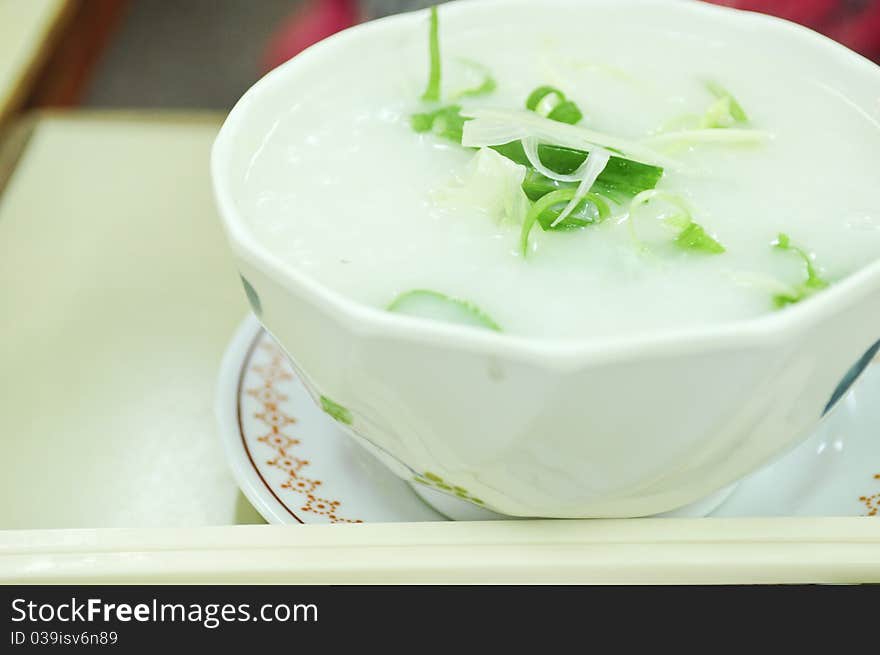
x=462, y=510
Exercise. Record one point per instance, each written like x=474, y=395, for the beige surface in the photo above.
x=24, y=27
x=834, y=550
x=117, y=298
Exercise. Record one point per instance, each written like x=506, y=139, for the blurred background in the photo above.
x=205, y=53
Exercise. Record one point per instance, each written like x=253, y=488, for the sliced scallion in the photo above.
x=495, y=127
x=546, y=209
x=566, y=112
x=432, y=91
x=530, y=149
x=719, y=114
x=815, y=282
x=580, y=217
x=551, y=102
x=694, y=237
x=592, y=168
x=722, y=114
x=426, y=303
x=542, y=93
x=736, y=111
x=689, y=234
x=446, y=122
x=486, y=86
x=620, y=180
x=540, y=206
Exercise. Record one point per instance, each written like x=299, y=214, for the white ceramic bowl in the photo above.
x=532, y=427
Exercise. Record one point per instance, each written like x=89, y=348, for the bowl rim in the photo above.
x=770, y=329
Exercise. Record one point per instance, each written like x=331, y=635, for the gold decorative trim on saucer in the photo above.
x=267, y=361
x=297, y=465
x=872, y=503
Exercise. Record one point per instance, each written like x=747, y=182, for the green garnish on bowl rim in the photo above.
x=443, y=302
x=337, y=411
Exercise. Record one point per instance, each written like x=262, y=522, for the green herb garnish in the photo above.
x=737, y=113
x=433, y=304
x=542, y=92
x=547, y=208
x=691, y=235
x=488, y=85
x=814, y=282
x=694, y=237
x=566, y=112
x=580, y=217
x=446, y=122
x=432, y=91
x=541, y=205
x=620, y=179
x=725, y=112
x=551, y=102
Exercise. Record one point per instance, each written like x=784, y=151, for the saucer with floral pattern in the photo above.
x=296, y=465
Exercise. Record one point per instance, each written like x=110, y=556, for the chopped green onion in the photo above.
x=783, y=242
x=735, y=109
x=691, y=235
x=719, y=115
x=426, y=303
x=781, y=300
x=488, y=84
x=495, y=127
x=579, y=217
x=542, y=205
x=762, y=281
x=566, y=112
x=540, y=94
x=446, y=122
x=814, y=282
x=551, y=102
x=694, y=237
x=588, y=173
x=432, y=91
x=620, y=179
x=626, y=177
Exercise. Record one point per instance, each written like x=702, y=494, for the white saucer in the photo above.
x=296, y=465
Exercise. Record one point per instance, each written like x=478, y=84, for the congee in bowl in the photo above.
x=564, y=258
x=555, y=179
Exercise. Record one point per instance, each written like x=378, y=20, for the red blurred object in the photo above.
x=855, y=23
x=861, y=32
x=812, y=13
x=315, y=20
